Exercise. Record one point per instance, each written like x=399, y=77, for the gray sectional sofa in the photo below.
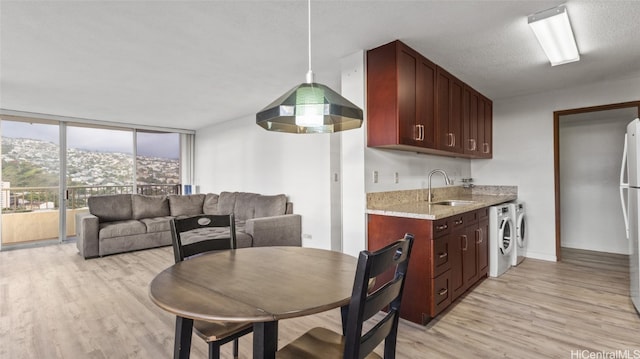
x=127, y=222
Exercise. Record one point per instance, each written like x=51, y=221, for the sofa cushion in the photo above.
x=226, y=202
x=268, y=206
x=157, y=224
x=186, y=205
x=245, y=205
x=121, y=228
x=111, y=207
x=210, y=205
x=149, y=206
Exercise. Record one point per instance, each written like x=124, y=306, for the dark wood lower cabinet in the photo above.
x=449, y=256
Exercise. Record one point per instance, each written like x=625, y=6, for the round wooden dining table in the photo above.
x=259, y=284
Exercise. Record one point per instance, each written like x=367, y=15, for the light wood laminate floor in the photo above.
x=54, y=304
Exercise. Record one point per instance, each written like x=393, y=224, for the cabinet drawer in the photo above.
x=483, y=213
x=458, y=221
x=441, y=297
x=442, y=227
x=441, y=259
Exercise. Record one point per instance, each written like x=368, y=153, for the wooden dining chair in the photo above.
x=190, y=238
x=322, y=343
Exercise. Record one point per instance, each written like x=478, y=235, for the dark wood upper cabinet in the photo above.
x=472, y=128
x=477, y=124
x=415, y=105
x=486, y=148
x=400, y=98
x=449, y=111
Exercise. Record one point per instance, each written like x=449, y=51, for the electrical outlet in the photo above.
x=375, y=176
x=307, y=236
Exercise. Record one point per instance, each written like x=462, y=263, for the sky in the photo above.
x=94, y=139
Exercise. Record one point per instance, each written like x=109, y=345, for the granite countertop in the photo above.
x=413, y=204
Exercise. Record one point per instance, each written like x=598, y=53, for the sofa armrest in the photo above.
x=285, y=230
x=87, y=227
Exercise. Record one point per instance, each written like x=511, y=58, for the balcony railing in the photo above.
x=31, y=214
x=26, y=199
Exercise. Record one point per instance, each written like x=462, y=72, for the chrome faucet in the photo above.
x=447, y=180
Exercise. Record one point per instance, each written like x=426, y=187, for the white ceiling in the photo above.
x=189, y=64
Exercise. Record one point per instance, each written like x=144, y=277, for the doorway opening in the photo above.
x=580, y=175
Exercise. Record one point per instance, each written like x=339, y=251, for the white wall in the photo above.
x=238, y=155
x=412, y=170
x=352, y=143
x=523, y=150
x=590, y=152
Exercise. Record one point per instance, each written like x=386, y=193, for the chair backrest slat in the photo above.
x=381, y=298
x=364, y=305
x=378, y=333
x=180, y=226
x=387, y=259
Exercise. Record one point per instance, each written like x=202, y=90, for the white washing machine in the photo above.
x=518, y=215
x=501, y=239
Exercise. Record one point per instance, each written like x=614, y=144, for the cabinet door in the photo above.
x=487, y=144
x=382, y=96
x=443, y=82
x=455, y=122
x=469, y=261
x=449, y=111
x=482, y=247
x=485, y=127
x=456, y=280
x=472, y=128
x=426, y=124
x=408, y=64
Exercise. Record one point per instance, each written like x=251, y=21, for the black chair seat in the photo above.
x=317, y=343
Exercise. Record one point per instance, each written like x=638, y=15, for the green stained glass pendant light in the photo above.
x=310, y=107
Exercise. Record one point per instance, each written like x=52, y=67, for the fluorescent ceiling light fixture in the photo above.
x=310, y=107
x=553, y=30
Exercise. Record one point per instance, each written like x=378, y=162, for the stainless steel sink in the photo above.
x=453, y=202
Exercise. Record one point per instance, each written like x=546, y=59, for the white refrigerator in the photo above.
x=630, y=201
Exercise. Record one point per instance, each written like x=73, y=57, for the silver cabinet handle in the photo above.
x=420, y=135
x=472, y=144
x=466, y=242
x=485, y=147
x=451, y=140
x=443, y=291
x=479, y=232
x=443, y=255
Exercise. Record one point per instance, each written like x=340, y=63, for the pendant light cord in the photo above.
x=310, y=76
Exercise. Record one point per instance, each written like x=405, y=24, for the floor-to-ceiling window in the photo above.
x=50, y=168
x=157, y=162
x=99, y=159
x=30, y=181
